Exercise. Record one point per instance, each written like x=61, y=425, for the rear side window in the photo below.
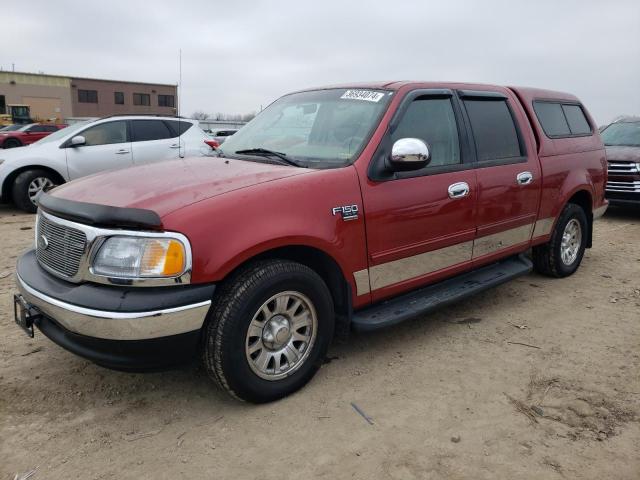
x=433, y=121
x=561, y=120
x=552, y=119
x=577, y=121
x=145, y=130
x=494, y=130
x=177, y=127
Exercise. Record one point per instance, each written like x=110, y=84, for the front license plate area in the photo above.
x=25, y=314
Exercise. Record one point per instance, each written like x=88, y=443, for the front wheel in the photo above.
x=269, y=330
x=28, y=185
x=561, y=256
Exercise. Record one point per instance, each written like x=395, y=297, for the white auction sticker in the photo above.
x=367, y=95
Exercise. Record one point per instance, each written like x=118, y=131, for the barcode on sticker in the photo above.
x=367, y=95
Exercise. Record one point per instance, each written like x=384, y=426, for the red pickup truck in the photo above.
x=335, y=209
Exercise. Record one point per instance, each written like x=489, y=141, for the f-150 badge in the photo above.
x=348, y=212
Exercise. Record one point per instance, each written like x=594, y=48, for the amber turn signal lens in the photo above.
x=174, y=259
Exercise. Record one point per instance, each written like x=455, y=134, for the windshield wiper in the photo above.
x=270, y=153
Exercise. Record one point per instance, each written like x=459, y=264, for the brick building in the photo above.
x=56, y=97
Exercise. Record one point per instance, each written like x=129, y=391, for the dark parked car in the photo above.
x=221, y=135
x=622, y=143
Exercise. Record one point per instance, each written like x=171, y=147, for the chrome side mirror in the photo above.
x=409, y=154
x=77, y=141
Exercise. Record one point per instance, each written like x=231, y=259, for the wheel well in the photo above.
x=7, y=185
x=582, y=198
x=12, y=139
x=329, y=271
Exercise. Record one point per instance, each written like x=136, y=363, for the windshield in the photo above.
x=63, y=132
x=12, y=128
x=622, y=134
x=318, y=129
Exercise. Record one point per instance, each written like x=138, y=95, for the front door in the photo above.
x=36, y=132
x=508, y=174
x=421, y=225
x=106, y=147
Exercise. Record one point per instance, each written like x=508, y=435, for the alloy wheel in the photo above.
x=281, y=335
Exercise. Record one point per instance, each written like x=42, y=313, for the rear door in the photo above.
x=421, y=224
x=153, y=141
x=106, y=147
x=508, y=173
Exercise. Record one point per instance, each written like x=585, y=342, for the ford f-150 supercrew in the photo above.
x=335, y=209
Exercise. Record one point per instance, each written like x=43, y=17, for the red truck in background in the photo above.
x=26, y=134
x=335, y=209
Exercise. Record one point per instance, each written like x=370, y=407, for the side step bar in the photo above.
x=435, y=296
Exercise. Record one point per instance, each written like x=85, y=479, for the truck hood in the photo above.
x=631, y=154
x=167, y=186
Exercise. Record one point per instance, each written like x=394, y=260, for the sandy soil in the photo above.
x=449, y=396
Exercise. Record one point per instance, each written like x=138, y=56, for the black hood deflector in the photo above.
x=99, y=215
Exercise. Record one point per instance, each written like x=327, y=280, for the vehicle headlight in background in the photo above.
x=140, y=257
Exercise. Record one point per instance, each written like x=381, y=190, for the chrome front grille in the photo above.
x=620, y=167
x=624, y=187
x=58, y=247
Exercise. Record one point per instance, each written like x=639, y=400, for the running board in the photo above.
x=435, y=296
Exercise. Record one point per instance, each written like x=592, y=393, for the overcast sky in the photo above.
x=238, y=55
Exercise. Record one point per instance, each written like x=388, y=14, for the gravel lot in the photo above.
x=454, y=395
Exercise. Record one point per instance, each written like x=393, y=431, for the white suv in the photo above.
x=94, y=146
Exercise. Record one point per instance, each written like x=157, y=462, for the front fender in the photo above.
x=227, y=230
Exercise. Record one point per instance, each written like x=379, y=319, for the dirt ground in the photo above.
x=535, y=379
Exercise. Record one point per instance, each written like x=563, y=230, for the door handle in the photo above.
x=122, y=152
x=175, y=145
x=458, y=190
x=524, y=178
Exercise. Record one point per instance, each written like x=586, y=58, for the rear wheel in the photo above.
x=561, y=256
x=269, y=330
x=11, y=143
x=28, y=185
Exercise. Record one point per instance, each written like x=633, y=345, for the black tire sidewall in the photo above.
x=237, y=372
x=20, y=192
x=571, y=212
x=12, y=143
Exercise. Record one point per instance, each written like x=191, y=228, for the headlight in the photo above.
x=140, y=257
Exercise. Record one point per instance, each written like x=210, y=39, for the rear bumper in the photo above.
x=120, y=327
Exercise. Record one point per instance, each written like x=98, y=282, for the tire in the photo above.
x=11, y=143
x=548, y=258
x=26, y=180
x=249, y=300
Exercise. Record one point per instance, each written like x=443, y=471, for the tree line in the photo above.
x=226, y=117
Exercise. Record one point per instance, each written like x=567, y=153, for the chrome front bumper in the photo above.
x=112, y=325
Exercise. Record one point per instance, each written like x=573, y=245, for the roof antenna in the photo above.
x=180, y=149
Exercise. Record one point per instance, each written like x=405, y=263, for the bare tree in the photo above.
x=199, y=115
